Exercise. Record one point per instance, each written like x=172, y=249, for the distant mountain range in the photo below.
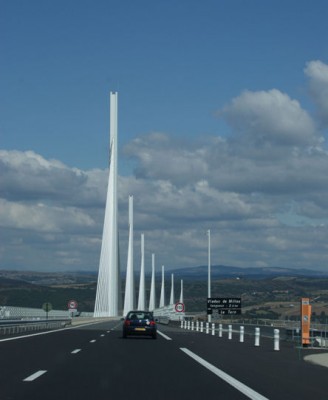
x=223, y=271
x=21, y=278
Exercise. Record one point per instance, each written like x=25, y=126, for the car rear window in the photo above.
x=139, y=315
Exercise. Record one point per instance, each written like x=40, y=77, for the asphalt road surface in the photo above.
x=94, y=362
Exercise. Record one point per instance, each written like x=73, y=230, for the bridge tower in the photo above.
x=142, y=296
x=108, y=296
x=129, y=282
x=162, y=298
x=152, y=299
x=172, y=290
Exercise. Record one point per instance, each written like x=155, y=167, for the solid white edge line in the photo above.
x=247, y=391
x=34, y=376
x=75, y=351
x=164, y=336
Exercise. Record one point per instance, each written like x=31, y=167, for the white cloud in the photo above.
x=42, y=218
x=158, y=157
x=28, y=176
x=240, y=186
x=317, y=72
x=270, y=117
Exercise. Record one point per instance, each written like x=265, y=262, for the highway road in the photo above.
x=94, y=362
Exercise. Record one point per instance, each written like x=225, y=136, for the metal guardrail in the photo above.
x=10, y=312
x=11, y=327
x=18, y=320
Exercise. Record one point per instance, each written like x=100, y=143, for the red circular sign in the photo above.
x=72, y=304
x=179, y=307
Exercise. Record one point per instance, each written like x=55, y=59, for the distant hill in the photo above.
x=20, y=278
x=12, y=283
x=223, y=271
x=258, y=287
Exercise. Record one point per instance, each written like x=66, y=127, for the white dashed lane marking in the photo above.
x=163, y=335
x=75, y=351
x=34, y=376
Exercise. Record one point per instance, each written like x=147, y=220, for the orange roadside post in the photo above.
x=305, y=320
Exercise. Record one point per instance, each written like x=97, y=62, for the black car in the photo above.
x=139, y=323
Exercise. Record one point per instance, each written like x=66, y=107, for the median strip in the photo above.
x=247, y=391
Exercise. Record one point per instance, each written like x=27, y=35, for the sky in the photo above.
x=223, y=116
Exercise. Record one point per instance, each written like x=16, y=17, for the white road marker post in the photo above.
x=229, y=332
x=202, y=326
x=197, y=326
x=257, y=337
x=220, y=330
x=276, y=339
x=241, y=337
x=213, y=329
x=207, y=327
x=192, y=325
x=181, y=323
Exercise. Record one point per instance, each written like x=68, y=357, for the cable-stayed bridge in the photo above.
x=109, y=301
x=91, y=359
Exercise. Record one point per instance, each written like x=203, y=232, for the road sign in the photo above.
x=224, y=305
x=179, y=307
x=47, y=307
x=229, y=312
x=72, y=305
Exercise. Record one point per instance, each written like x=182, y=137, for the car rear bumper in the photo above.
x=147, y=331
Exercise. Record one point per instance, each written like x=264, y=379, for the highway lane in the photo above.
x=106, y=367
x=31, y=353
x=276, y=375
x=94, y=362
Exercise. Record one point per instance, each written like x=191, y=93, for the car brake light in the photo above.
x=127, y=322
x=152, y=323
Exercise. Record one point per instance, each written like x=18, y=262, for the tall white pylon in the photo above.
x=129, y=282
x=172, y=290
x=141, y=298
x=162, y=298
x=108, y=296
x=152, y=299
x=181, y=293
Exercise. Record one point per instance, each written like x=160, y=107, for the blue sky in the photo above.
x=174, y=64
x=200, y=85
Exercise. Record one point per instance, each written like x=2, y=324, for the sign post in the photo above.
x=209, y=315
x=47, y=307
x=72, y=307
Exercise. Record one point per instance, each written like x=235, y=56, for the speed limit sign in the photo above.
x=72, y=305
x=179, y=307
